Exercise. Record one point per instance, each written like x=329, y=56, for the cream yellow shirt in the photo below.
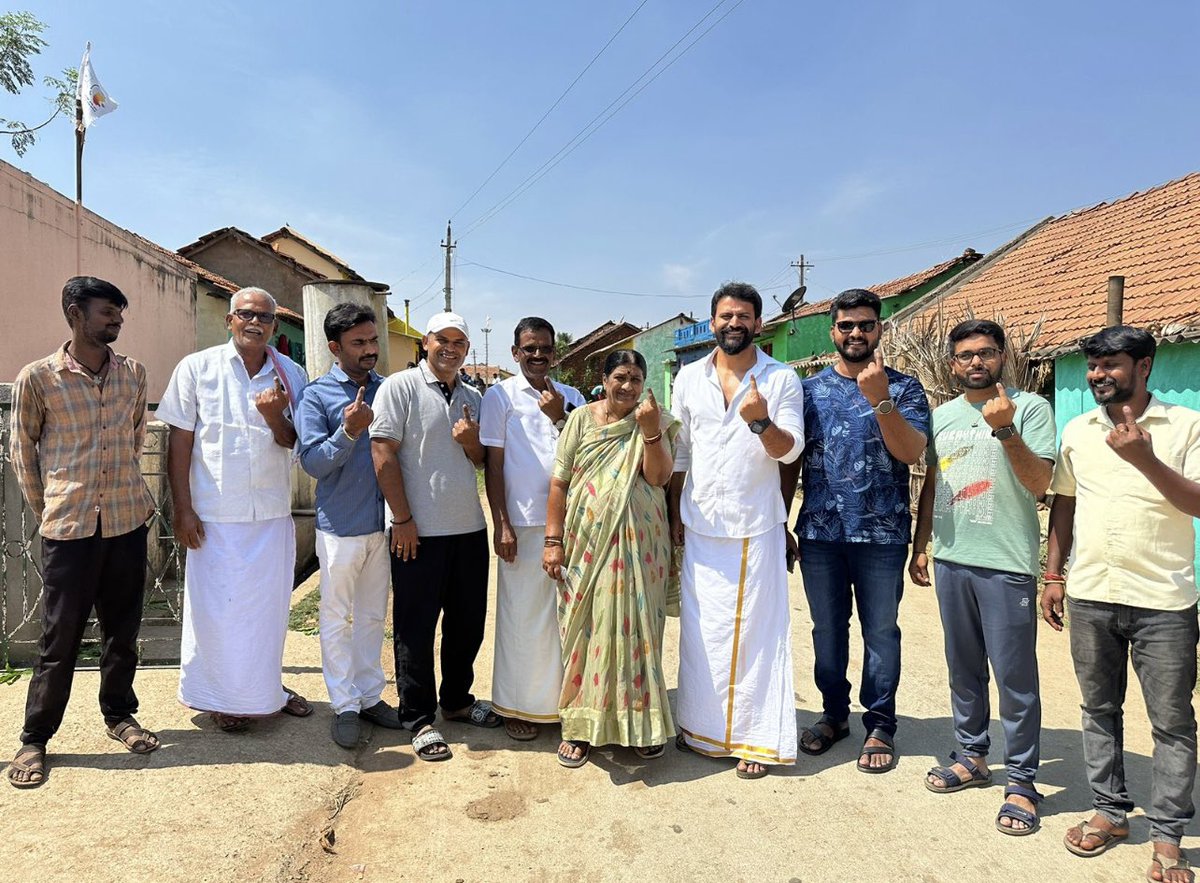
x=1132, y=547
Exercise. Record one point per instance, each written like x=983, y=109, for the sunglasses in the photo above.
x=866, y=326
x=537, y=350
x=251, y=315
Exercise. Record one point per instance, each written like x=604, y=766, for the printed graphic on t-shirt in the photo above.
x=963, y=485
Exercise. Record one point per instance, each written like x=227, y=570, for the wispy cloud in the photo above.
x=680, y=278
x=850, y=196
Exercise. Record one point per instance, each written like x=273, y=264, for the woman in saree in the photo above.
x=608, y=546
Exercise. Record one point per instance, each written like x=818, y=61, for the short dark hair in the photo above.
x=1135, y=342
x=970, y=328
x=345, y=316
x=531, y=323
x=852, y=299
x=742, y=291
x=81, y=289
x=617, y=358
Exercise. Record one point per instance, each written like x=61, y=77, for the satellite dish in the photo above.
x=794, y=299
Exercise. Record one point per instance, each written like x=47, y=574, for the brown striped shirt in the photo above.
x=76, y=444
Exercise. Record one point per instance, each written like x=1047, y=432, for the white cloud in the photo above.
x=680, y=278
x=851, y=195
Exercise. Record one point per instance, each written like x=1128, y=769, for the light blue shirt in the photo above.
x=349, y=501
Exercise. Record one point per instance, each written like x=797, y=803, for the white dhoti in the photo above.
x=527, y=674
x=237, y=589
x=735, y=654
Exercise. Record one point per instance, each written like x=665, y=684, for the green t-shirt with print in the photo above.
x=982, y=515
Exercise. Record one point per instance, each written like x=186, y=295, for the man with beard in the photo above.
x=990, y=457
x=864, y=425
x=78, y=419
x=425, y=447
x=230, y=467
x=351, y=546
x=742, y=415
x=1127, y=486
x=522, y=417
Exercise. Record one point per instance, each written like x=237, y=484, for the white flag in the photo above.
x=95, y=98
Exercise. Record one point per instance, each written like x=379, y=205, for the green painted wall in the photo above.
x=295, y=336
x=811, y=333
x=657, y=346
x=1175, y=378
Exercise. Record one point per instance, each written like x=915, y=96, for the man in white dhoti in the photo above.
x=519, y=425
x=229, y=466
x=742, y=415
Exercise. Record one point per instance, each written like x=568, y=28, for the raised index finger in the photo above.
x=753, y=384
x=879, y=356
x=650, y=396
x=1129, y=418
x=466, y=413
x=362, y=391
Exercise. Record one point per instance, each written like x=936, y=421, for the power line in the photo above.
x=581, y=287
x=584, y=134
x=557, y=101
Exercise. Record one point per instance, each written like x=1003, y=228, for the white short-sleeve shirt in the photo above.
x=238, y=471
x=512, y=419
x=732, y=487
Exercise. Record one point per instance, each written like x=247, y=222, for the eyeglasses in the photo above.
x=537, y=350
x=866, y=326
x=251, y=315
x=985, y=355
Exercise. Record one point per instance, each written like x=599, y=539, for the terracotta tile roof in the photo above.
x=285, y=313
x=292, y=233
x=208, y=239
x=893, y=288
x=1058, y=271
x=593, y=337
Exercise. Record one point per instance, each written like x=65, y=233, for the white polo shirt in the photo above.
x=1131, y=546
x=511, y=419
x=238, y=471
x=732, y=487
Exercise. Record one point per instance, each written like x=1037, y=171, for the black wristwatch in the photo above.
x=1004, y=433
x=758, y=427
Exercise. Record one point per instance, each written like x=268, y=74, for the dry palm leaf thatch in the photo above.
x=918, y=347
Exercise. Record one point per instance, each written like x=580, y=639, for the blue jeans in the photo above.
x=1163, y=646
x=874, y=573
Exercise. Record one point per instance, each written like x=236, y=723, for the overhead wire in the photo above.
x=632, y=91
x=556, y=103
x=580, y=287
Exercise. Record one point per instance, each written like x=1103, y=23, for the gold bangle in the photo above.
x=654, y=439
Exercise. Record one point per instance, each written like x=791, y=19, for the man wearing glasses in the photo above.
x=990, y=457
x=229, y=465
x=864, y=425
x=519, y=426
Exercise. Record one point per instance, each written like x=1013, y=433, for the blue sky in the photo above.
x=876, y=138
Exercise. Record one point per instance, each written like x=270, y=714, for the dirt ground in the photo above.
x=284, y=803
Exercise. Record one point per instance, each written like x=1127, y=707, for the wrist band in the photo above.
x=405, y=521
x=551, y=542
x=1053, y=578
x=653, y=440
x=348, y=435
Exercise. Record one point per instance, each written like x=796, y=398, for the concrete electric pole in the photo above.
x=449, y=245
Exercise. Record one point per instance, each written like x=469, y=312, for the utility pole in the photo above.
x=487, y=330
x=449, y=245
x=801, y=266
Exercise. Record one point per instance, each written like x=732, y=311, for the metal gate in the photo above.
x=20, y=562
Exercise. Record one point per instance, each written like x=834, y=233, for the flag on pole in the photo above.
x=95, y=98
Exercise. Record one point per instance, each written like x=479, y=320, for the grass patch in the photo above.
x=305, y=616
x=11, y=675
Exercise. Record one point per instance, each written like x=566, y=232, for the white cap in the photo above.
x=442, y=321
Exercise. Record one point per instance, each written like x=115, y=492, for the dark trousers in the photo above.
x=107, y=573
x=449, y=576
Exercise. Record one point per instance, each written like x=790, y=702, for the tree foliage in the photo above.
x=20, y=40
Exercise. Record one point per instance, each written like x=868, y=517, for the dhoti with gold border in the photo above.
x=736, y=695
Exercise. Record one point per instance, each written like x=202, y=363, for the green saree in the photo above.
x=612, y=601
